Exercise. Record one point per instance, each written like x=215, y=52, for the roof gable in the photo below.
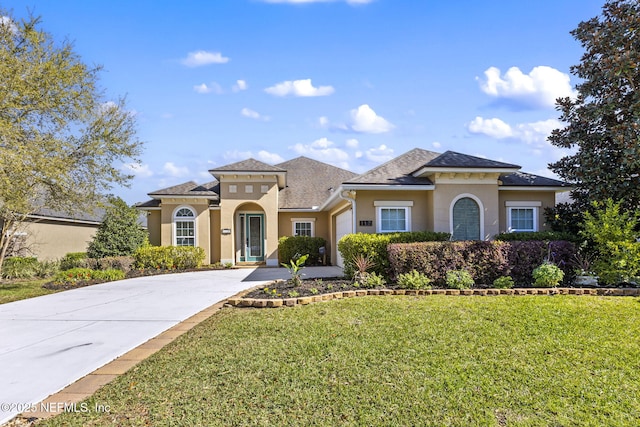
x=309, y=182
x=399, y=170
x=209, y=190
x=249, y=165
x=452, y=159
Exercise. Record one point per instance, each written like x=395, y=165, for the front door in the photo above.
x=252, y=237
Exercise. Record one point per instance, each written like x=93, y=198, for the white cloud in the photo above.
x=267, y=157
x=175, y=171
x=262, y=155
x=352, y=143
x=323, y=121
x=138, y=169
x=324, y=150
x=539, y=89
x=212, y=87
x=351, y=2
x=436, y=145
x=247, y=112
x=494, y=128
x=202, y=57
x=534, y=133
x=379, y=155
x=298, y=88
x=365, y=120
x=239, y=86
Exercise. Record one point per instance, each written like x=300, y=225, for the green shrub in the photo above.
x=47, y=268
x=503, y=282
x=72, y=276
x=169, y=257
x=459, y=279
x=374, y=247
x=291, y=247
x=120, y=232
x=80, y=274
x=537, y=235
x=414, y=280
x=547, y=275
x=73, y=260
x=19, y=268
x=612, y=233
x=124, y=263
x=108, y=275
x=372, y=280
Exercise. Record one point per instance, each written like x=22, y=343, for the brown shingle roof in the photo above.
x=451, y=159
x=398, y=170
x=209, y=190
x=309, y=182
x=249, y=165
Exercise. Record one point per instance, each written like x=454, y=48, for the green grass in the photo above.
x=392, y=361
x=23, y=289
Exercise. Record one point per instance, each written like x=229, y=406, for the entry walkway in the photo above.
x=48, y=342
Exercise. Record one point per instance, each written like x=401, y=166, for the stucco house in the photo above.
x=239, y=217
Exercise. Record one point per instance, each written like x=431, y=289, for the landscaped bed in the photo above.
x=534, y=361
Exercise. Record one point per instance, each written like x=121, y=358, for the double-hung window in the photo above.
x=392, y=216
x=522, y=216
x=303, y=227
x=184, y=221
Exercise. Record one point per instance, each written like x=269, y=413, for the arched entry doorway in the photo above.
x=250, y=233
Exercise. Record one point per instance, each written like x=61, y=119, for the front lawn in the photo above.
x=22, y=289
x=396, y=361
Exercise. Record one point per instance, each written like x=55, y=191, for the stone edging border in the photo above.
x=240, y=301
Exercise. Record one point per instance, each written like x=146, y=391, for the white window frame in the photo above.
x=177, y=219
x=404, y=205
x=534, y=206
x=295, y=221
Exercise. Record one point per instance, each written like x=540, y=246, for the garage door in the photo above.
x=344, y=225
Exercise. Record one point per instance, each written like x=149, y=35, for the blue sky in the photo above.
x=353, y=83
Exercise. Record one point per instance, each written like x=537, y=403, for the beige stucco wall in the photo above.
x=547, y=198
x=487, y=194
x=49, y=240
x=421, y=211
x=255, y=201
x=203, y=234
x=154, y=223
x=320, y=220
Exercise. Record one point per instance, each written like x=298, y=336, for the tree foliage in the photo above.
x=61, y=142
x=603, y=121
x=119, y=234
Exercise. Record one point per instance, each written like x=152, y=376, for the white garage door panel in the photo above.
x=344, y=225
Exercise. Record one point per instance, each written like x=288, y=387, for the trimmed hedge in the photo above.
x=485, y=261
x=292, y=247
x=169, y=257
x=79, y=274
x=538, y=235
x=73, y=260
x=374, y=246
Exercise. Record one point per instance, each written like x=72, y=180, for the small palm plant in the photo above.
x=361, y=263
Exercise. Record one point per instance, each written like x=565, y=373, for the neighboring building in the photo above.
x=49, y=235
x=239, y=217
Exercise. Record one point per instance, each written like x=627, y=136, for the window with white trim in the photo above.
x=184, y=223
x=303, y=226
x=393, y=216
x=522, y=216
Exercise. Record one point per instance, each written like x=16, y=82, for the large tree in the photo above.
x=62, y=143
x=603, y=121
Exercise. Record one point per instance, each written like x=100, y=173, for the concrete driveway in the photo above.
x=48, y=342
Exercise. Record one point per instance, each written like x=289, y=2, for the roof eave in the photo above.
x=556, y=188
x=449, y=169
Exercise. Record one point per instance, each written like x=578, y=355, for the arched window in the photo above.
x=184, y=225
x=465, y=219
